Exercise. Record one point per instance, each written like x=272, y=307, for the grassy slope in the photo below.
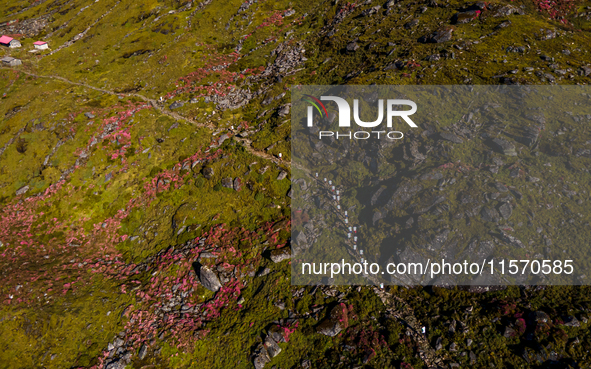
x=59, y=324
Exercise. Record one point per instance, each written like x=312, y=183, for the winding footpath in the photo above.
x=247, y=144
x=395, y=307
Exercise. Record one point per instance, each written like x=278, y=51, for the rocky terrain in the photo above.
x=461, y=188
x=145, y=183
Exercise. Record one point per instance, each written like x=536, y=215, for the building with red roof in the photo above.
x=41, y=45
x=9, y=42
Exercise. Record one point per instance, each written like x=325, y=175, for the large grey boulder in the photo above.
x=334, y=323
x=209, y=279
x=281, y=254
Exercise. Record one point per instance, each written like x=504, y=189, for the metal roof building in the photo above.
x=9, y=42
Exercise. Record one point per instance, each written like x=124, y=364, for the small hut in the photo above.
x=10, y=61
x=9, y=42
x=41, y=45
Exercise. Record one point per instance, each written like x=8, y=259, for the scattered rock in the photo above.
x=143, y=352
x=282, y=175
x=116, y=364
x=208, y=172
x=452, y=329
x=508, y=10
x=451, y=137
x=516, y=49
x=431, y=176
x=545, y=76
x=504, y=147
x=541, y=317
x=237, y=184
x=399, y=64
x=441, y=35
x=232, y=100
x=509, y=332
x=272, y=347
x=269, y=348
x=585, y=71
x=228, y=183
x=438, y=344
x=261, y=357
x=118, y=342
x=489, y=214
x=570, y=321
x=176, y=105
x=412, y=24
x=530, y=135
x=501, y=187
x=482, y=285
x=263, y=272
x=22, y=190
x=281, y=254
x=284, y=110
x=481, y=5
x=371, y=11
x=413, y=150
x=504, y=24
x=173, y=126
x=473, y=358
x=506, y=210
x=334, y=323
x=352, y=46
x=301, y=239
x=465, y=17
x=222, y=138
x=512, y=240
x=89, y=115
x=409, y=222
x=546, y=58
x=547, y=34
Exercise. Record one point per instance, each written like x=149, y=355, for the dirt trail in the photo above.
x=243, y=141
x=399, y=309
x=396, y=307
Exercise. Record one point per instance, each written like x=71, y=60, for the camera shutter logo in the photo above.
x=345, y=111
